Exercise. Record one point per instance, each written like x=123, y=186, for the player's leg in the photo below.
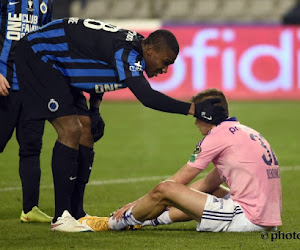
x=85, y=154
x=170, y=193
x=165, y=194
x=10, y=109
x=64, y=160
x=169, y=216
x=29, y=136
x=173, y=214
x=85, y=163
x=64, y=170
x=9, y=114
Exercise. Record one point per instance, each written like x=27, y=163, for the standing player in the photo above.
x=243, y=159
x=74, y=55
x=17, y=18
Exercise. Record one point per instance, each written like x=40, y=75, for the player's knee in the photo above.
x=30, y=148
x=86, y=132
x=30, y=144
x=159, y=192
x=73, y=131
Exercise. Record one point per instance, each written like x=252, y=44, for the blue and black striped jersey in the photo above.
x=17, y=18
x=95, y=57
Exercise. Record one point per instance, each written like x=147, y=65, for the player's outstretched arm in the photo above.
x=4, y=86
x=151, y=98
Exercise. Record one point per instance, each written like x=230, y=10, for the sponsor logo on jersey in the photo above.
x=43, y=8
x=53, y=105
x=136, y=67
x=30, y=4
x=101, y=88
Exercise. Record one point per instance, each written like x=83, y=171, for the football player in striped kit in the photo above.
x=67, y=56
x=17, y=18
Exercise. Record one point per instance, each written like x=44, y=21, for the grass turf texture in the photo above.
x=140, y=143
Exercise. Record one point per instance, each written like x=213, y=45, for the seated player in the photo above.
x=242, y=158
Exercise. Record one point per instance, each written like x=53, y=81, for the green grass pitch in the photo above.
x=140, y=148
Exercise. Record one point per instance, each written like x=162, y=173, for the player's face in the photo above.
x=157, y=62
x=204, y=127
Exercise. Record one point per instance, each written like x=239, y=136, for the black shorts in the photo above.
x=29, y=134
x=46, y=93
x=10, y=108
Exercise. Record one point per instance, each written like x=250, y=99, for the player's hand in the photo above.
x=119, y=213
x=4, y=86
x=209, y=112
x=97, y=124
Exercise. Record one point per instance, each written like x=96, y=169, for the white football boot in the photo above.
x=67, y=223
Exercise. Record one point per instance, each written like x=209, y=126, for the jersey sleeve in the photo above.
x=206, y=151
x=151, y=98
x=129, y=63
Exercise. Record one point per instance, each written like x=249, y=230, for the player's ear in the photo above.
x=149, y=49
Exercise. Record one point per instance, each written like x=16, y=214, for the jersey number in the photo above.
x=269, y=156
x=99, y=25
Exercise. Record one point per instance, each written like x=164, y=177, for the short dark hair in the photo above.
x=211, y=93
x=162, y=39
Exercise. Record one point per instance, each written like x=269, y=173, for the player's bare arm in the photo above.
x=185, y=175
x=209, y=184
x=4, y=86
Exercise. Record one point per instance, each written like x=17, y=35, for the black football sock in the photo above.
x=30, y=174
x=29, y=136
x=85, y=162
x=64, y=169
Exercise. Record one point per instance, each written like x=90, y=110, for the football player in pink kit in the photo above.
x=243, y=159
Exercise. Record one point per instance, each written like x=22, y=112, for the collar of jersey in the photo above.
x=231, y=119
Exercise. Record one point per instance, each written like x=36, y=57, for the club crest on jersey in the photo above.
x=30, y=3
x=136, y=67
x=53, y=105
x=43, y=8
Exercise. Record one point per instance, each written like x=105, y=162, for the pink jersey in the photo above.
x=248, y=165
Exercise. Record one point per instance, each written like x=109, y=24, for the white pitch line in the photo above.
x=134, y=180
